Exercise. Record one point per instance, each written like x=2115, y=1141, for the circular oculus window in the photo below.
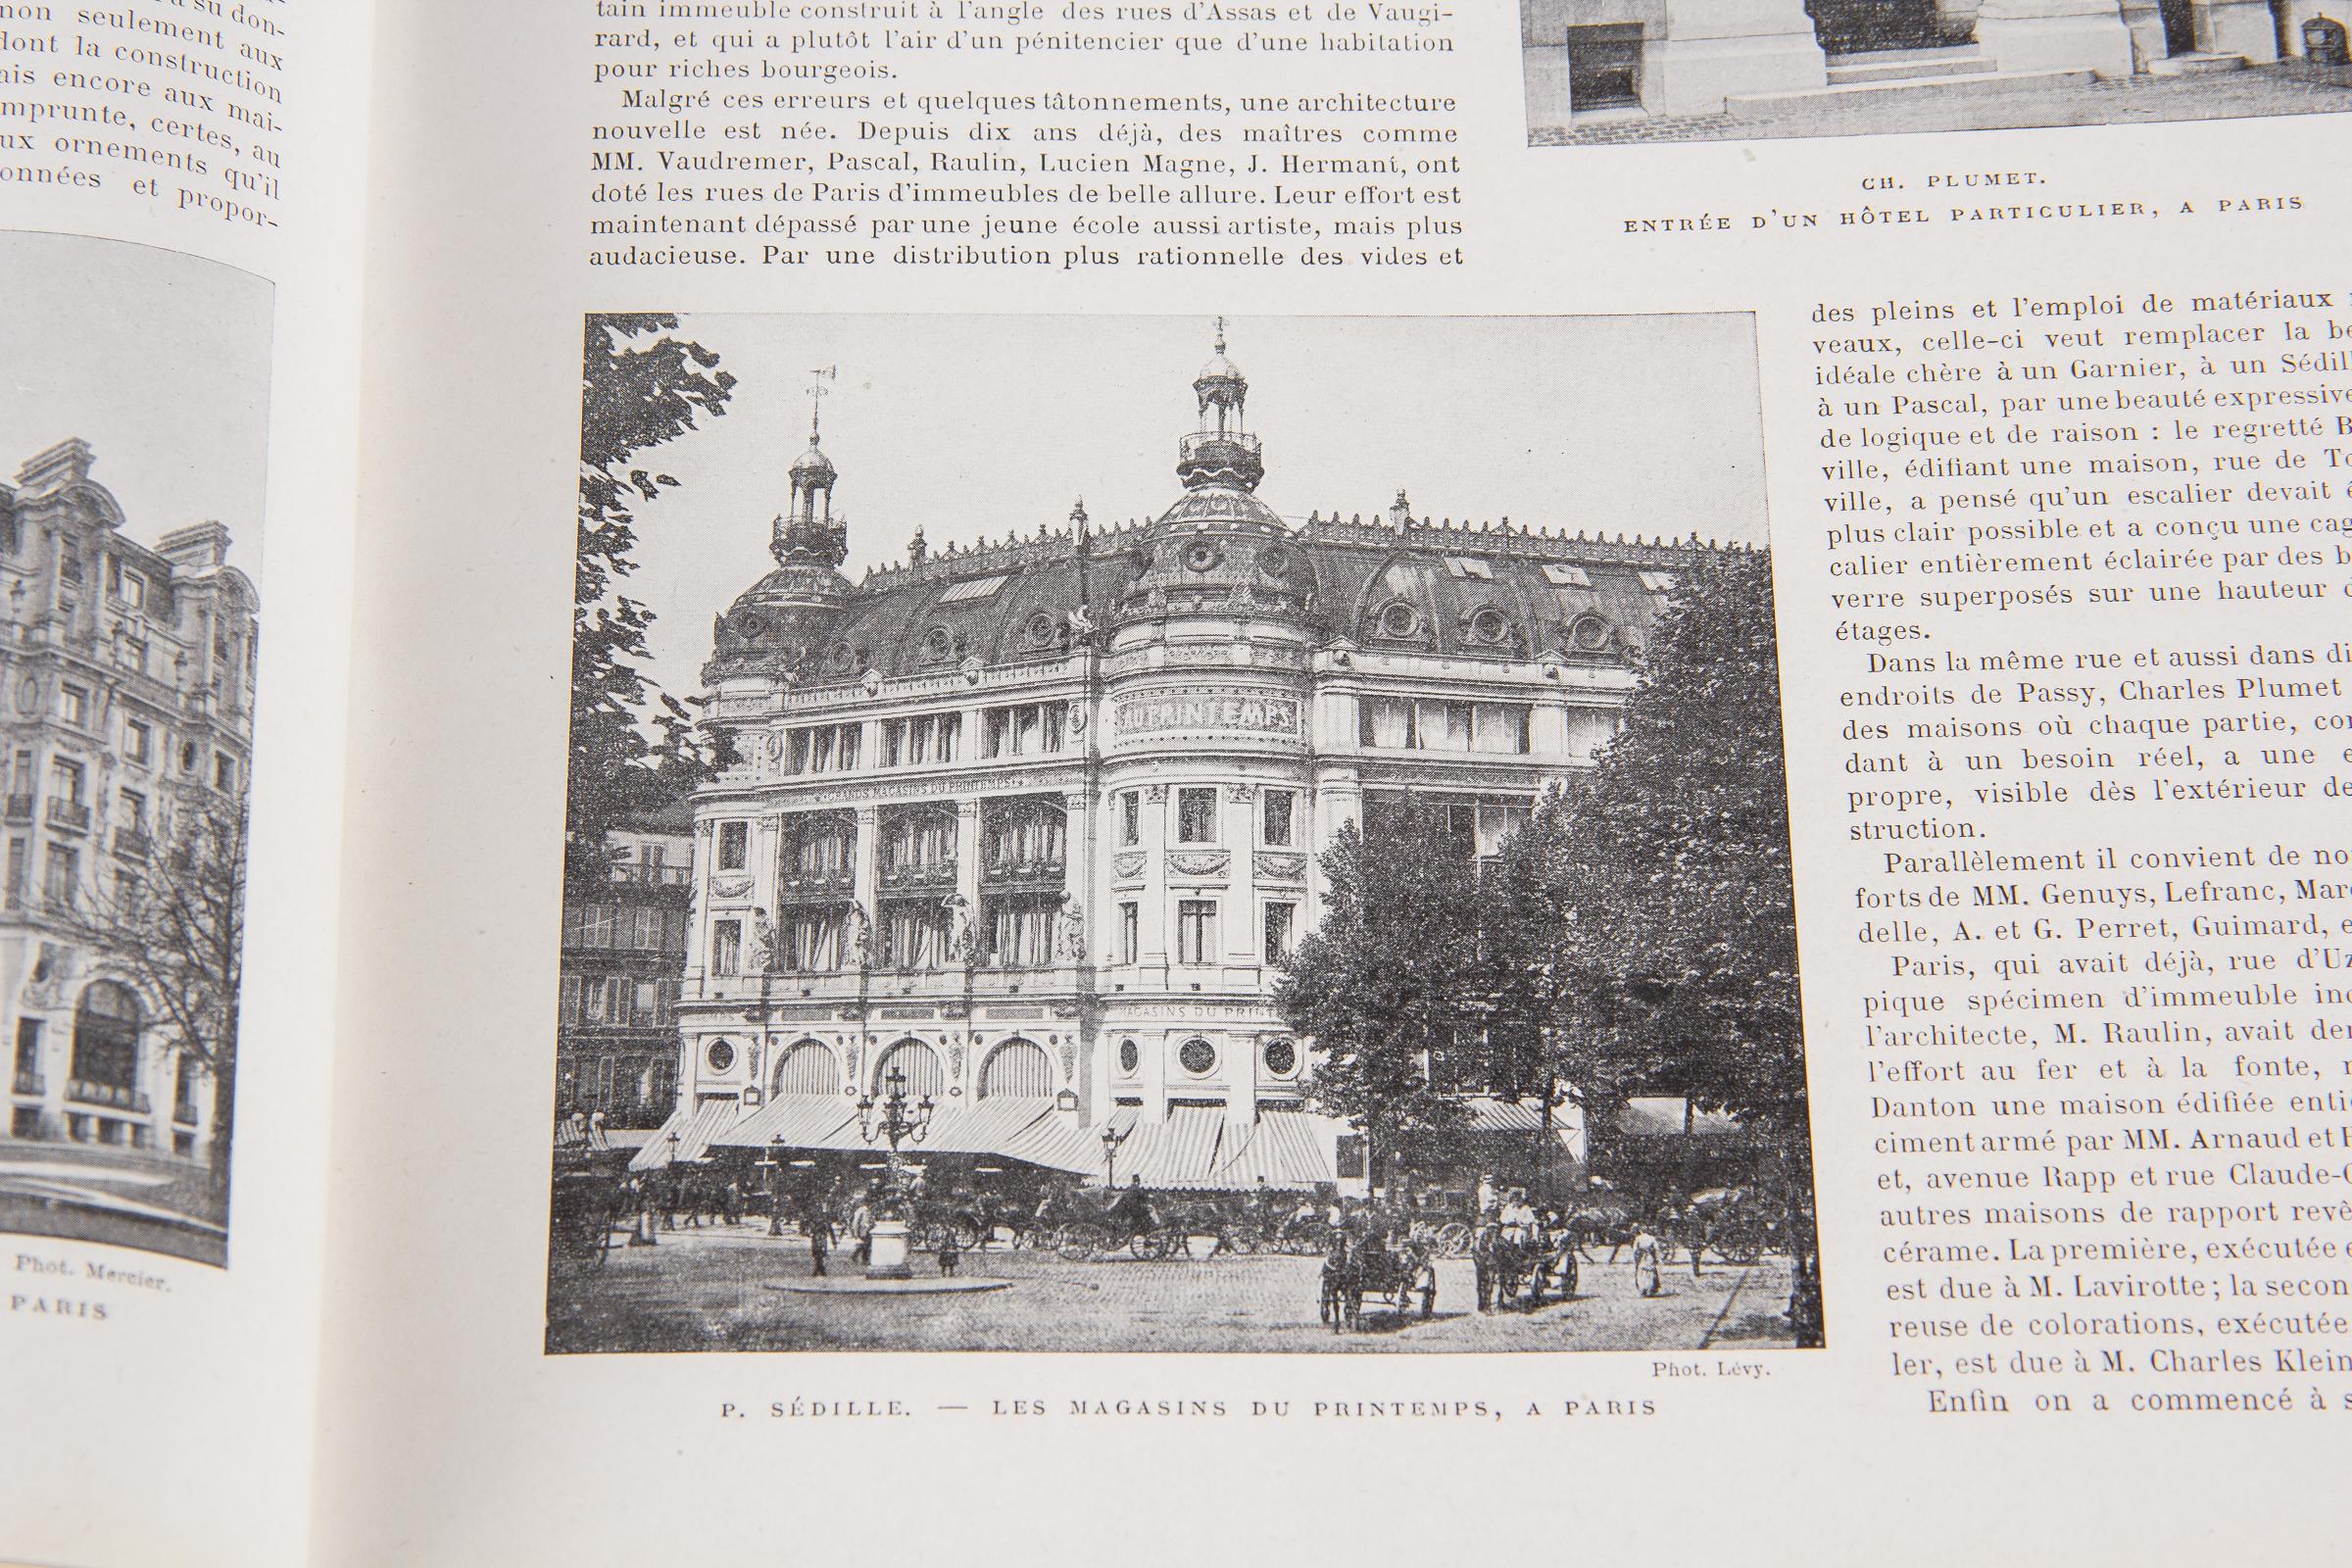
x=1130, y=1058
x=1282, y=1057
x=720, y=1055
x=1399, y=620
x=1202, y=555
x=1489, y=627
x=1197, y=1056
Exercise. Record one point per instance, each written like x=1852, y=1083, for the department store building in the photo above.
x=1032, y=825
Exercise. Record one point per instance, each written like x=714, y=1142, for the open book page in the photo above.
x=178, y=395
x=1342, y=780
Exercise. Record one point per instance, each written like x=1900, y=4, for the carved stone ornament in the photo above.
x=955, y=1062
x=1199, y=863
x=1278, y=867
x=1240, y=794
x=736, y=886
x=1069, y=1060
x=1127, y=864
x=971, y=670
x=1157, y=794
x=874, y=682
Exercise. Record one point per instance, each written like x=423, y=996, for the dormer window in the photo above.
x=1397, y=620
x=130, y=588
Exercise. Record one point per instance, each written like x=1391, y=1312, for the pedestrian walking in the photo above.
x=1646, y=1264
x=820, y=1226
x=951, y=1251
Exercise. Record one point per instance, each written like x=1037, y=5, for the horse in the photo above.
x=1515, y=1268
x=1341, y=1298
x=1355, y=1266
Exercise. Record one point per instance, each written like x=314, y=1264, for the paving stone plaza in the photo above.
x=713, y=1289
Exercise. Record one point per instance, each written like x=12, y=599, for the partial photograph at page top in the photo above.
x=1612, y=72
x=1069, y=849
x=135, y=400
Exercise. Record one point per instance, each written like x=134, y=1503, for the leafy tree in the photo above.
x=1671, y=865
x=640, y=386
x=169, y=915
x=1386, y=985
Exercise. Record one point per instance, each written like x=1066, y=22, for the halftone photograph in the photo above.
x=1073, y=845
x=136, y=406
x=1612, y=72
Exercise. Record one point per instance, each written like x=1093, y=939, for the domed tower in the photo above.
x=1219, y=549
x=790, y=614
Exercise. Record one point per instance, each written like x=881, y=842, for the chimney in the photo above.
x=67, y=463
x=195, y=549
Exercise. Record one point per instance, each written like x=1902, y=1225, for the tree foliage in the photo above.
x=167, y=916
x=1670, y=862
x=641, y=385
x=1380, y=985
x=1637, y=936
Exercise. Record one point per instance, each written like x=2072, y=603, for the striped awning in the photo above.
x=1491, y=1115
x=1672, y=1116
x=1058, y=1144
x=1293, y=1149
x=988, y=1127
x=798, y=1121
x=695, y=1129
x=589, y=1138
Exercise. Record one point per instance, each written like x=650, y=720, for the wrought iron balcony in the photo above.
x=654, y=876
x=796, y=881
x=1218, y=444
x=185, y=1113
x=30, y=1083
x=932, y=874
x=70, y=814
x=134, y=844
x=84, y=1091
x=19, y=808
x=1016, y=870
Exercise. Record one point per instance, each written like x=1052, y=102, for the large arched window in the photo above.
x=807, y=1068
x=106, y=1036
x=1017, y=1068
x=919, y=1063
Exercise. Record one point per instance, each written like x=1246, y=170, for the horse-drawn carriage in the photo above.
x=1524, y=1265
x=1391, y=1270
x=582, y=1213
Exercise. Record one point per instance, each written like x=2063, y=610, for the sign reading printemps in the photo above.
x=1254, y=713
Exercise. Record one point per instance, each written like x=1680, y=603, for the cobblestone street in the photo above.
x=710, y=1290
x=2291, y=88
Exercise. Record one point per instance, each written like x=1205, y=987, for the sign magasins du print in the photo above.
x=1208, y=708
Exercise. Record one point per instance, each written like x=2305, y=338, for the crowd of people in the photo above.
x=1502, y=1220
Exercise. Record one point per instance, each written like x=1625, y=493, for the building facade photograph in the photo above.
x=1841, y=66
x=1026, y=828
x=1129, y=887
x=624, y=954
x=130, y=533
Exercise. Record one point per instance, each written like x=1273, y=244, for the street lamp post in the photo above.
x=892, y=1121
x=773, y=1163
x=1112, y=1140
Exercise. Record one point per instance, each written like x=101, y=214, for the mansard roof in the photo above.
x=1389, y=582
